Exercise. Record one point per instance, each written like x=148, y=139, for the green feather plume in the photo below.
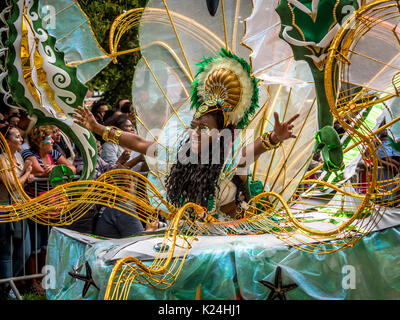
x=196, y=100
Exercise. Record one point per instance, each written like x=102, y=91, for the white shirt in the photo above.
x=111, y=152
x=19, y=168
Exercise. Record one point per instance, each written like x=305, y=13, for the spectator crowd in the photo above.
x=36, y=150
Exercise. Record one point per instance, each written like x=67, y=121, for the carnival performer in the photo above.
x=224, y=96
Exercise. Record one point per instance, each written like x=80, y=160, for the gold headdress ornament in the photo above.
x=225, y=83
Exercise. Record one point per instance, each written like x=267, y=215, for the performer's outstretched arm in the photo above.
x=126, y=139
x=282, y=131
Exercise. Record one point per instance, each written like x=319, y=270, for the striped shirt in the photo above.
x=41, y=186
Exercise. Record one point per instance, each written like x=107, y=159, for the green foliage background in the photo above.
x=114, y=81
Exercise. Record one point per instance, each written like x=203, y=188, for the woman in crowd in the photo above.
x=15, y=245
x=62, y=144
x=102, y=220
x=111, y=151
x=99, y=109
x=44, y=158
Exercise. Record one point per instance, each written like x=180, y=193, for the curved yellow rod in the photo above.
x=163, y=268
x=297, y=223
x=181, y=22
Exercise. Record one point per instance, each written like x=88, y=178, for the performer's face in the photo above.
x=202, y=130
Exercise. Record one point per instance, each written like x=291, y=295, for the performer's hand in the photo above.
x=283, y=130
x=84, y=117
x=151, y=226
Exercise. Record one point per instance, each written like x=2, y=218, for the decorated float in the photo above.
x=318, y=233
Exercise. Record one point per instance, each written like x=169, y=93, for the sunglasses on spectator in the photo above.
x=48, y=140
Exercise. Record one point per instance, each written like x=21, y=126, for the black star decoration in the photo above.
x=277, y=289
x=212, y=6
x=87, y=278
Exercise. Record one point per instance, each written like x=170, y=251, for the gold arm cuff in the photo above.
x=266, y=141
x=115, y=138
x=112, y=134
x=106, y=133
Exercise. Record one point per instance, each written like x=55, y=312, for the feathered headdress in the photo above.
x=225, y=83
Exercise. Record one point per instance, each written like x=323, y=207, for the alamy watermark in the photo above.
x=349, y=278
x=48, y=15
x=49, y=279
x=204, y=146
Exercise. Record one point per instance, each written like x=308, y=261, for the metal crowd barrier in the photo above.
x=26, y=275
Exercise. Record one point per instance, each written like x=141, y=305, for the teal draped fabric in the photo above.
x=234, y=268
x=74, y=36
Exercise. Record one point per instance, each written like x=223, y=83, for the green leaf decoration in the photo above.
x=41, y=83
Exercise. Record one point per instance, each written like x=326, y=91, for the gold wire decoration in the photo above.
x=266, y=213
x=163, y=270
x=378, y=20
x=348, y=105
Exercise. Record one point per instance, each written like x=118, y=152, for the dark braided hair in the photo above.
x=197, y=182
